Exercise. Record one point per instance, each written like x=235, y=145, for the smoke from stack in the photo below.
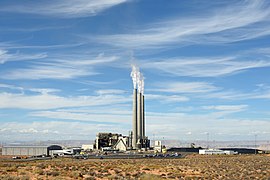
x=133, y=75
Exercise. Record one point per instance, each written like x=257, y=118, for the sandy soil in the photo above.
x=190, y=167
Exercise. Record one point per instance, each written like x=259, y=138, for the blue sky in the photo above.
x=65, y=68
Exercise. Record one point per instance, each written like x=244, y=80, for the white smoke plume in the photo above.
x=139, y=82
x=142, y=82
x=137, y=78
x=134, y=76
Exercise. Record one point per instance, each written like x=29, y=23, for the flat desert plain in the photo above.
x=189, y=167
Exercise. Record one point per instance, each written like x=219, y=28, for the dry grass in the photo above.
x=191, y=167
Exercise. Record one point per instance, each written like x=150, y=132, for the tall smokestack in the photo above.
x=142, y=108
x=143, y=118
x=134, y=118
x=139, y=122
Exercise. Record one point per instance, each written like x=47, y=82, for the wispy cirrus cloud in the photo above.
x=54, y=68
x=238, y=95
x=166, y=98
x=219, y=26
x=184, y=87
x=221, y=111
x=110, y=91
x=203, y=66
x=6, y=56
x=226, y=107
x=261, y=91
x=80, y=116
x=47, y=101
x=63, y=9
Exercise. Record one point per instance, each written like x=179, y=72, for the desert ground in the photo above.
x=189, y=167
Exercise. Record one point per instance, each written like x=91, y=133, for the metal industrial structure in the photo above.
x=29, y=150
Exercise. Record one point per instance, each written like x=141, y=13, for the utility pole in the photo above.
x=255, y=143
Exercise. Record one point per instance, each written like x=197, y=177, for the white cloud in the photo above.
x=49, y=101
x=204, y=67
x=226, y=107
x=86, y=116
x=221, y=111
x=6, y=56
x=166, y=98
x=59, y=69
x=64, y=9
x=221, y=25
x=47, y=72
x=176, y=125
x=30, y=130
x=168, y=125
x=8, y=86
x=184, y=87
x=111, y=91
x=44, y=90
x=45, y=130
x=238, y=95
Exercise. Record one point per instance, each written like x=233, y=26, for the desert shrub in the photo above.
x=40, y=172
x=116, y=177
x=28, y=168
x=53, y=173
x=76, y=174
x=24, y=178
x=150, y=177
x=104, y=171
x=73, y=168
x=11, y=169
x=146, y=169
x=22, y=173
x=5, y=165
x=117, y=171
x=171, y=177
x=90, y=178
x=91, y=173
x=8, y=177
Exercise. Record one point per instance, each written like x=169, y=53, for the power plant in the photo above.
x=136, y=139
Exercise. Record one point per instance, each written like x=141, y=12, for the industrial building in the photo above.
x=123, y=144
x=158, y=146
x=111, y=141
x=66, y=151
x=88, y=147
x=216, y=152
x=29, y=150
x=185, y=149
x=242, y=150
